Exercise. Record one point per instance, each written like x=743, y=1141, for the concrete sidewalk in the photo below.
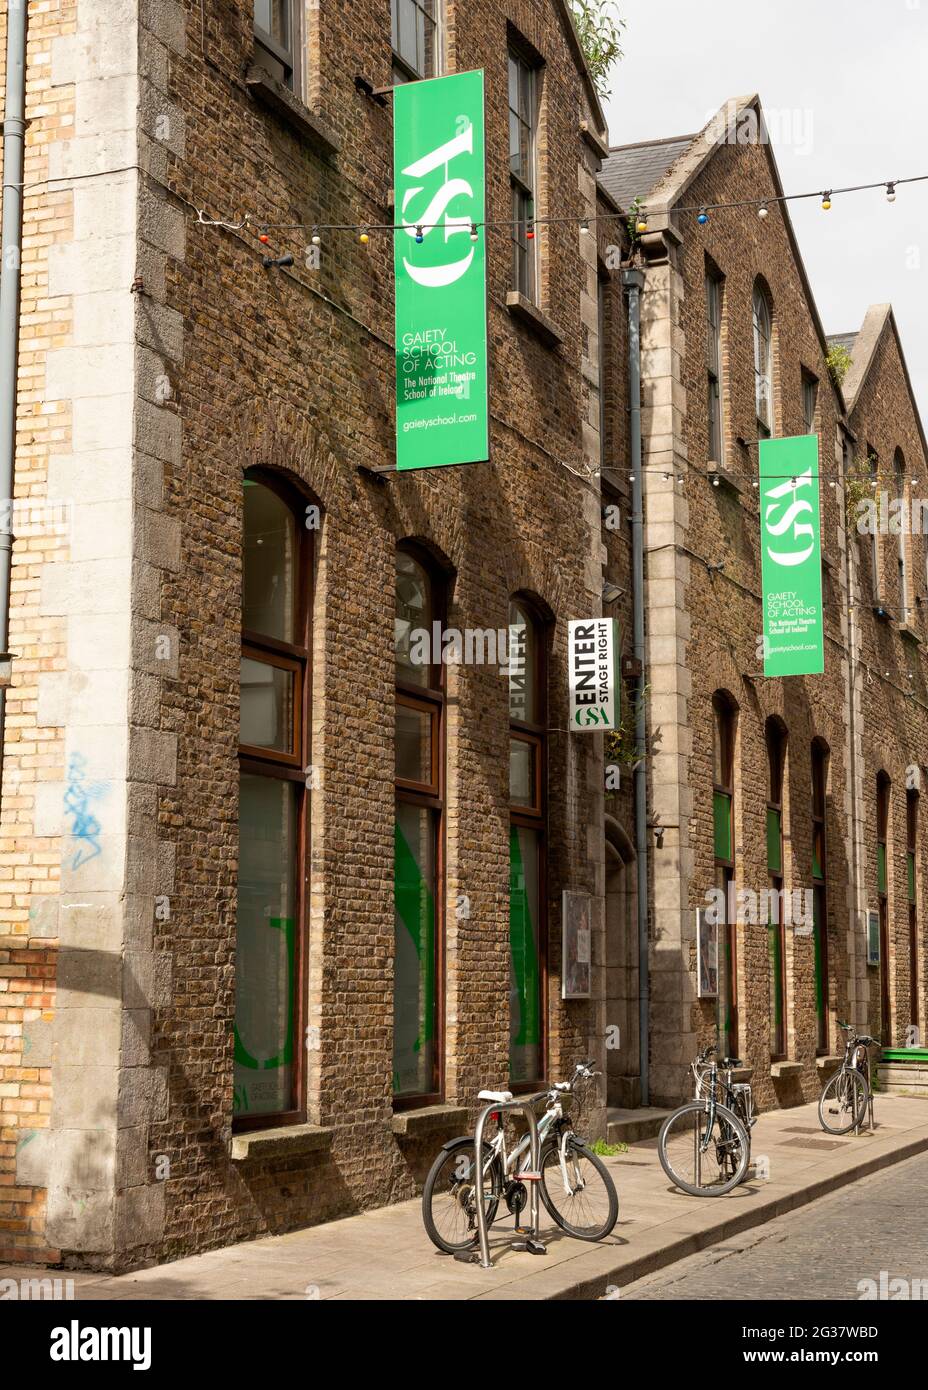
x=385, y=1254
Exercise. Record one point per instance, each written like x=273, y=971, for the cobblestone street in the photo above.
x=822, y=1252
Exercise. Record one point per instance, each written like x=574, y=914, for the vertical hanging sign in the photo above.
x=791, y=556
x=593, y=677
x=440, y=265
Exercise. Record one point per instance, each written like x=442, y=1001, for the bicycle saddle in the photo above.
x=730, y=1063
x=500, y=1097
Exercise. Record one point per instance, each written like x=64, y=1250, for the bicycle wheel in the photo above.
x=710, y=1171
x=843, y=1103
x=590, y=1208
x=449, y=1207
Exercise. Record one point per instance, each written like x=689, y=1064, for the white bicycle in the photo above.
x=574, y=1183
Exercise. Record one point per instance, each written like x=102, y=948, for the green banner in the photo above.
x=791, y=556
x=440, y=264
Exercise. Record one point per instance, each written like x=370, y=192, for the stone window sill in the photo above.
x=742, y=1074
x=279, y=1143
x=780, y=1069
x=279, y=99
x=414, y=1123
x=828, y=1063
x=528, y=313
x=906, y=630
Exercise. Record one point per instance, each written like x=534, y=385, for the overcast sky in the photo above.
x=844, y=85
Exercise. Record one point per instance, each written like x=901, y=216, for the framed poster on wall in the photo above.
x=707, y=949
x=576, y=965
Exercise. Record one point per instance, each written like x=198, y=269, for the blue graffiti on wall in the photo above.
x=78, y=796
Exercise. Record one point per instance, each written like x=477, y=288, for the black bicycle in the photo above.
x=848, y=1095
x=705, y=1146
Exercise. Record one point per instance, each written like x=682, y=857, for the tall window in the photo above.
x=883, y=797
x=809, y=400
x=911, y=826
x=527, y=910
x=523, y=131
x=873, y=465
x=899, y=524
x=776, y=758
x=416, y=27
x=714, y=364
x=763, y=363
x=273, y=756
x=724, y=711
x=820, y=890
x=419, y=835
x=278, y=39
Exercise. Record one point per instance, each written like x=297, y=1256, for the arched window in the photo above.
x=776, y=766
x=883, y=799
x=724, y=723
x=763, y=362
x=911, y=865
x=273, y=756
x=527, y=910
x=420, y=763
x=820, y=754
x=902, y=512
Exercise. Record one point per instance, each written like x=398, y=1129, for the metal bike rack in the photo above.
x=532, y=1244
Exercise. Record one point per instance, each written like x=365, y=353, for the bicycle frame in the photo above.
x=509, y=1161
x=854, y=1045
x=712, y=1076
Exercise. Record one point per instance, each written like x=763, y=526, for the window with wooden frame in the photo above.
x=820, y=754
x=419, y=834
x=528, y=812
x=417, y=38
x=873, y=468
x=911, y=873
x=523, y=170
x=724, y=722
x=714, y=364
x=763, y=361
x=776, y=932
x=898, y=523
x=270, y=985
x=809, y=400
x=883, y=799
x=279, y=40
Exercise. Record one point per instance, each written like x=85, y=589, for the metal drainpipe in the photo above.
x=633, y=281
x=14, y=131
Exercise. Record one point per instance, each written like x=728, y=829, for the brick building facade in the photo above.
x=276, y=899
x=189, y=939
x=770, y=784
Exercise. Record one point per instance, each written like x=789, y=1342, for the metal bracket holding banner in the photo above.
x=532, y=1244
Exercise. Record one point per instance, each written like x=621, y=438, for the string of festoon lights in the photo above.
x=364, y=231
x=637, y=218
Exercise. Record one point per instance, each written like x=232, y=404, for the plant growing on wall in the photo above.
x=621, y=745
x=863, y=482
x=631, y=222
x=599, y=30
x=838, y=362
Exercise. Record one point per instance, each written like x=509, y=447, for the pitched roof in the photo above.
x=684, y=159
x=863, y=348
x=631, y=171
